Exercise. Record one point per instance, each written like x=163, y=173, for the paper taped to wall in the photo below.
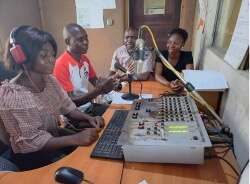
x=89, y=13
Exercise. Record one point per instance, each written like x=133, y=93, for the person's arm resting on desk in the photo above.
x=83, y=138
x=26, y=127
x=158, y=75
x=105, y=87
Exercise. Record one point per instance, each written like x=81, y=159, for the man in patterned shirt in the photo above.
x=124, y=55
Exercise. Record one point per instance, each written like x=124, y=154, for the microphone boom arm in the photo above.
x=190, y=88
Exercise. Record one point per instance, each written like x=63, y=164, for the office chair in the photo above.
x=6, y=165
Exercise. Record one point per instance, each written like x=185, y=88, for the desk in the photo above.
x=102, y=171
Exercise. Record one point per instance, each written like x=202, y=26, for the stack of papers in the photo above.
x=206, y=80
x=116, y=98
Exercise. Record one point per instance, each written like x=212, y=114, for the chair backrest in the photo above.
x=5, y=74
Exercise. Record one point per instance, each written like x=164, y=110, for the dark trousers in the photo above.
x=38, y=159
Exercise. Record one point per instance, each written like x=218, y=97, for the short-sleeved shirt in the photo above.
x=122, y=56
x=30, y=119
x=184, y=59
x=73, y=75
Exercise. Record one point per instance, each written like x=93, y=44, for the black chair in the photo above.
x=4, y=74
x=5, y=150
x=6, y=165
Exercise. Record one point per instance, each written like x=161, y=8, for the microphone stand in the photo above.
x=130, y=95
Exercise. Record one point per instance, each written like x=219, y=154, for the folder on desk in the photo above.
x=206, y=80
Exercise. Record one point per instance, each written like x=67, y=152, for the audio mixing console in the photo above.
x=165, y=130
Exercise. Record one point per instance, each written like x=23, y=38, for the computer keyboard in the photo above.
x=106, y=146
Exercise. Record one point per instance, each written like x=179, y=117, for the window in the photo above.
x=227, y=18
x=228, y=12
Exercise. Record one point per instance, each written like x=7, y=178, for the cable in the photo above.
x=226, y=146
x=88, y=182
x=243, y=169
x=224, y=151
x=226, y=161
x=123, y=166
x=140, y=94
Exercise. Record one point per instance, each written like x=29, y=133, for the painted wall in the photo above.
x=187, y=16
x=15, y=13
x=236, y=102
x=235, y=105
x=103, y=41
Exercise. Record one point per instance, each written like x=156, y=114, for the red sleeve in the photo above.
x=61, y=72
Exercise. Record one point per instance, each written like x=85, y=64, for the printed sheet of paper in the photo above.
x=240, y=40
x=89, y=13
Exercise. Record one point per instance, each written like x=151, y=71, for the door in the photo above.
x=160, y=15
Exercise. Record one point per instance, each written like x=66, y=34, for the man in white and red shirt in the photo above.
x=74, y=71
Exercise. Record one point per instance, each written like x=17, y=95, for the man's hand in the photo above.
x=117, y=76
x=97, y=122
x=106, y=85
x=176, y=85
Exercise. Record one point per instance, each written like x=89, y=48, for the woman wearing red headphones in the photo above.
x=31, y=103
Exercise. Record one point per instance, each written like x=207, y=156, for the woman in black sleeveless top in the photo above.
x=179, y=59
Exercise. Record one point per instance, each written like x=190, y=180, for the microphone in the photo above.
x=140, y=48
x=118, y=66
x=139, y=54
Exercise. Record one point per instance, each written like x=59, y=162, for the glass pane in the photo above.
x=154, y=7
x=227, y=20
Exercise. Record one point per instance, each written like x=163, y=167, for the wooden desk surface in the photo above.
x=102, y=171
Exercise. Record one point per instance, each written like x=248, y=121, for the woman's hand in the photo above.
x=85, y=137
x=97, y=122
x=176, y=85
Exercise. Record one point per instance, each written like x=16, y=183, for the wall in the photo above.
x=187, y=16
x=103, y=41
x=15, y=13
x=235, y=106
x=235, y=102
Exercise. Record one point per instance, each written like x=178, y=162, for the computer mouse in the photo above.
x=68, y=175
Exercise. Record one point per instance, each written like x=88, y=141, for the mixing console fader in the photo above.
x=165, y=130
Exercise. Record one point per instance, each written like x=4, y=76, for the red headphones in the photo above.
x=16, y=49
